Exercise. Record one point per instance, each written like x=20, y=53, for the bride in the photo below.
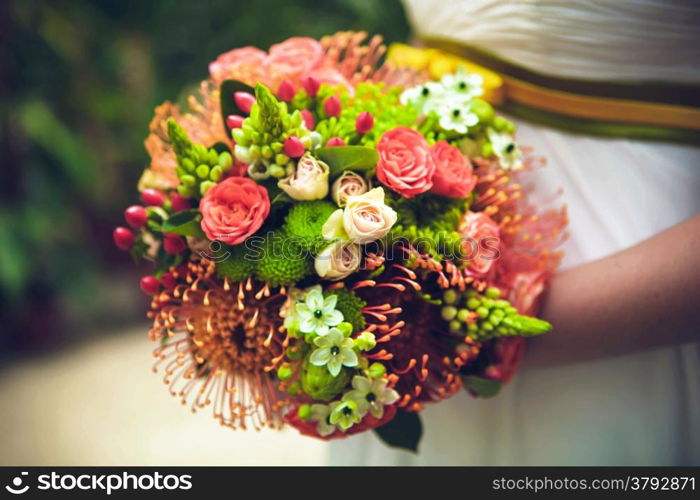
x=618, y=381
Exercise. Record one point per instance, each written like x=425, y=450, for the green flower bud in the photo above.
x=376, y=370
x=304, y=411
x=284, y=372
x=455, y=326
x=365, y=341
x=500, y=123
x=266, y=152
x=482, y=312
x=463, y=315
x=487, y=149
x=206, y=186
x=187, y=164
x=277, y=147
x=492, y=293
x=203, y=171
x=345, y=328
x=448, y=313
x=473, y=303
x=281, y=159
x=225, y=160
x=483, y=110
x=216, y=173
x=294, y=389
x=277, y=171
x=239, y=137
x=450, y=296
x=188, y=180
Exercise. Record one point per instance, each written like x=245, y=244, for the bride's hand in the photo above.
x=643, y=297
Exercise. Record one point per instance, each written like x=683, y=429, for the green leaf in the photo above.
x=483, y=387
x=185, y=223
x=228, y=104
x=341, y=158
x=403, y=431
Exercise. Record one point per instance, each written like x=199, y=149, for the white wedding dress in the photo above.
x=639, y=409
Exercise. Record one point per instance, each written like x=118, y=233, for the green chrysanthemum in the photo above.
x=281, y=261
x=231, y=263
x=351, y=306
x=318, y=383
x=305, y=221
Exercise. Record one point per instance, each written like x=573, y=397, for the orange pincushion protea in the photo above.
x=217, y=343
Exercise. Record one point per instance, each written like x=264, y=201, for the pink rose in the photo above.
x=405, y=164
x=294, y=58
x=453, y=172
x=242, y=64
x=234, y=209
x=481, y=238
x=348, y=184
x=309, y=181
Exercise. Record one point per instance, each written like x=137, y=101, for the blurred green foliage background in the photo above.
x=79, y=81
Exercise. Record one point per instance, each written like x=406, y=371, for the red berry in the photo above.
x=364, y=122
x=174, y=244
x=123, y=238
x=293, y=147
x=286, y=91
x=234, y=121
x=244, y=101
x=308, y=119
x=136, y=216
x=168, y=281
x=152, y=198
x=331, y=106
x=311, y=85
x=335, y=141
x=179, y=203
x=150, y=285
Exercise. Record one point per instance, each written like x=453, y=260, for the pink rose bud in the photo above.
x=152, y=198
x=493, y=373
x=286, y=91
x=364, y=122
x=308, y=119
x=293, y=147
x=174, y=244
x=234, y=121
x=335, y=141
x=311, y=85
x=179, y=203
x=136, y=216
x=150, y=285
x=244, y=101
x=123, y=238
x=331, y=106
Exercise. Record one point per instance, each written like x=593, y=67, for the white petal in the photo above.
x=329, y=304
x=333, y=318
x=362, y=384
x=334, y=365
x=348, y=356
x=321, y=357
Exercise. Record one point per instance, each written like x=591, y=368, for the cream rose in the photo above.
x=338, y=260
x=365, y=218
x=348, y=184
x=309, y=181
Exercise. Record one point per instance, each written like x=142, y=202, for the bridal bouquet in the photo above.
x=336, y=242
